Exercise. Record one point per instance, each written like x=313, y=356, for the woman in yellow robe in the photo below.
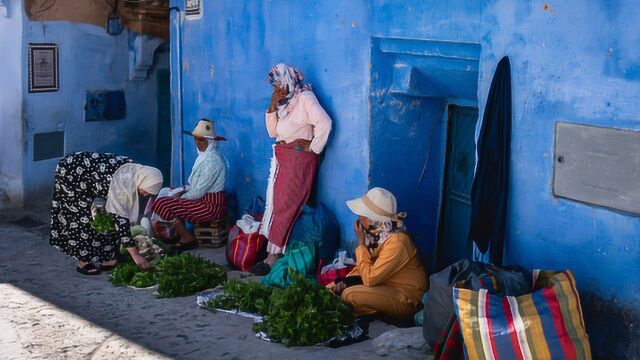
x=388, y=278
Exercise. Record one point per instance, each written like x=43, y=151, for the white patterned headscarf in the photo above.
x=289, y=78
x=379, y=232
x=122, y=198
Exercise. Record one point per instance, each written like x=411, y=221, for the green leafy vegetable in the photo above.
x=123, y=273
x=181, y=275
x=138, y=230
x=304, y=314
x=247, y=296
x=103, y=222
x=187, y=274
x=143, y=279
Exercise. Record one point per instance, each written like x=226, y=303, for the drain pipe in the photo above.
x=177, y=123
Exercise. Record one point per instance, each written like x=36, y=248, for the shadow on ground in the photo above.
x=176, y=328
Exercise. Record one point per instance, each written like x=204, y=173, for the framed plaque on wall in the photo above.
x=193, y=8
x=44, y=73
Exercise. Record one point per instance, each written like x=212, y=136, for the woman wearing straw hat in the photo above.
x=389, y=278
x=80, y=179
x=301, y=128
x=204, y=200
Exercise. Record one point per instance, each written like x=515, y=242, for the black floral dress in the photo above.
x=80, y=178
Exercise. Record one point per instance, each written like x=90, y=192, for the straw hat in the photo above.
x=205, y=129
x=377, y=204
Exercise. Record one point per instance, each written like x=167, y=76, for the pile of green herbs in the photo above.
x=250, y=297
x=187, y=274
x=103, y=223
x=176, y=276
x=303, y=314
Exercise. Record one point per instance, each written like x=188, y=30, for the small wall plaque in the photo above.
x=193, y=8
x=43, y=68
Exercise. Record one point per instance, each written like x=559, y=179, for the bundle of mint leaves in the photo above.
x=176, y=276
x=249, y=297
x=103, y=223
x=303, y=314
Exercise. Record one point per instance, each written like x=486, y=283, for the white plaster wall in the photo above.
x=11, y=129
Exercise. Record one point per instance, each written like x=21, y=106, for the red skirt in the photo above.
x=292, y=184
x=212, y=206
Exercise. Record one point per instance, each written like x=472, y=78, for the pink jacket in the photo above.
x=306, y=120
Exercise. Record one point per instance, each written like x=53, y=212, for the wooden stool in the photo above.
x=213, y=234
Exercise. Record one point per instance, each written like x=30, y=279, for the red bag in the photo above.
x=244, y=250
x=162, y=230
x=330, y=274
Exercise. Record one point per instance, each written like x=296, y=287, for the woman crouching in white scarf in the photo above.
x=82, y=177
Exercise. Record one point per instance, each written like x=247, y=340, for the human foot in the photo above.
x=87, y=268
x=108, y=265
x=272, y=259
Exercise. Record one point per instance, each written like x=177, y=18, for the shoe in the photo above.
x=108, y=267
x=88, y=269
x=181, y=247
x=261, y=269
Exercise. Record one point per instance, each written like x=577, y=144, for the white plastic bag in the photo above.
x=247, y=224
x=342, y=261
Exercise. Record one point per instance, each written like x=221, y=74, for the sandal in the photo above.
x=181, y=247
x=261, y=269
x=88, y=269
x=108, y=267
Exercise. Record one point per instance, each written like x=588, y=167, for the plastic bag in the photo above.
x=247, y=224
x=317, y=226
x=356, y=333
x=340, y=268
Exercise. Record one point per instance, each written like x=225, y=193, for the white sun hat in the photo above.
x=377, y=204
x=205, y=129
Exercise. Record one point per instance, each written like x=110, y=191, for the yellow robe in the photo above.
x=393, y=279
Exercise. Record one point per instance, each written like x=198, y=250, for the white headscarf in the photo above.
x=122, y=198
x=382, y=230
x=289, y=78
x=202, y=155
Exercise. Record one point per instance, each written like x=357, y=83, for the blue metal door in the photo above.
x=453, y=243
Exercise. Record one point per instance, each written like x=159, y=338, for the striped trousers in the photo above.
x=212, y=206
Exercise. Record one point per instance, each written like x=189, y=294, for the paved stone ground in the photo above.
x=48, y=311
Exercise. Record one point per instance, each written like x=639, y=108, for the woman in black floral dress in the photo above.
x=82, y=177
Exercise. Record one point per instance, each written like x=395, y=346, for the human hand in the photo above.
x=142, y=263
x=360, y=233
x=338, y=288
x=278, y=94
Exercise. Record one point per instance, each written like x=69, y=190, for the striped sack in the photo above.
x=243, y=250
x=545, y=324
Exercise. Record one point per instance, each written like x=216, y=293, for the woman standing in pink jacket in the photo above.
x=301, y=128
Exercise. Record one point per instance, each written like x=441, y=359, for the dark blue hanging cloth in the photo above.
x=490, y=191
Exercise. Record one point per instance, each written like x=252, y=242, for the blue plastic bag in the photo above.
x=317, y=226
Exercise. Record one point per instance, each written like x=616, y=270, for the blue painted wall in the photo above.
x=90, y=59
x=562, y=70
x=11, y=189
x=227, y=53
x=579, y=62
x=226, y=56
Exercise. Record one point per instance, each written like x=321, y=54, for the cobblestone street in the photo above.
x=48, y=311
